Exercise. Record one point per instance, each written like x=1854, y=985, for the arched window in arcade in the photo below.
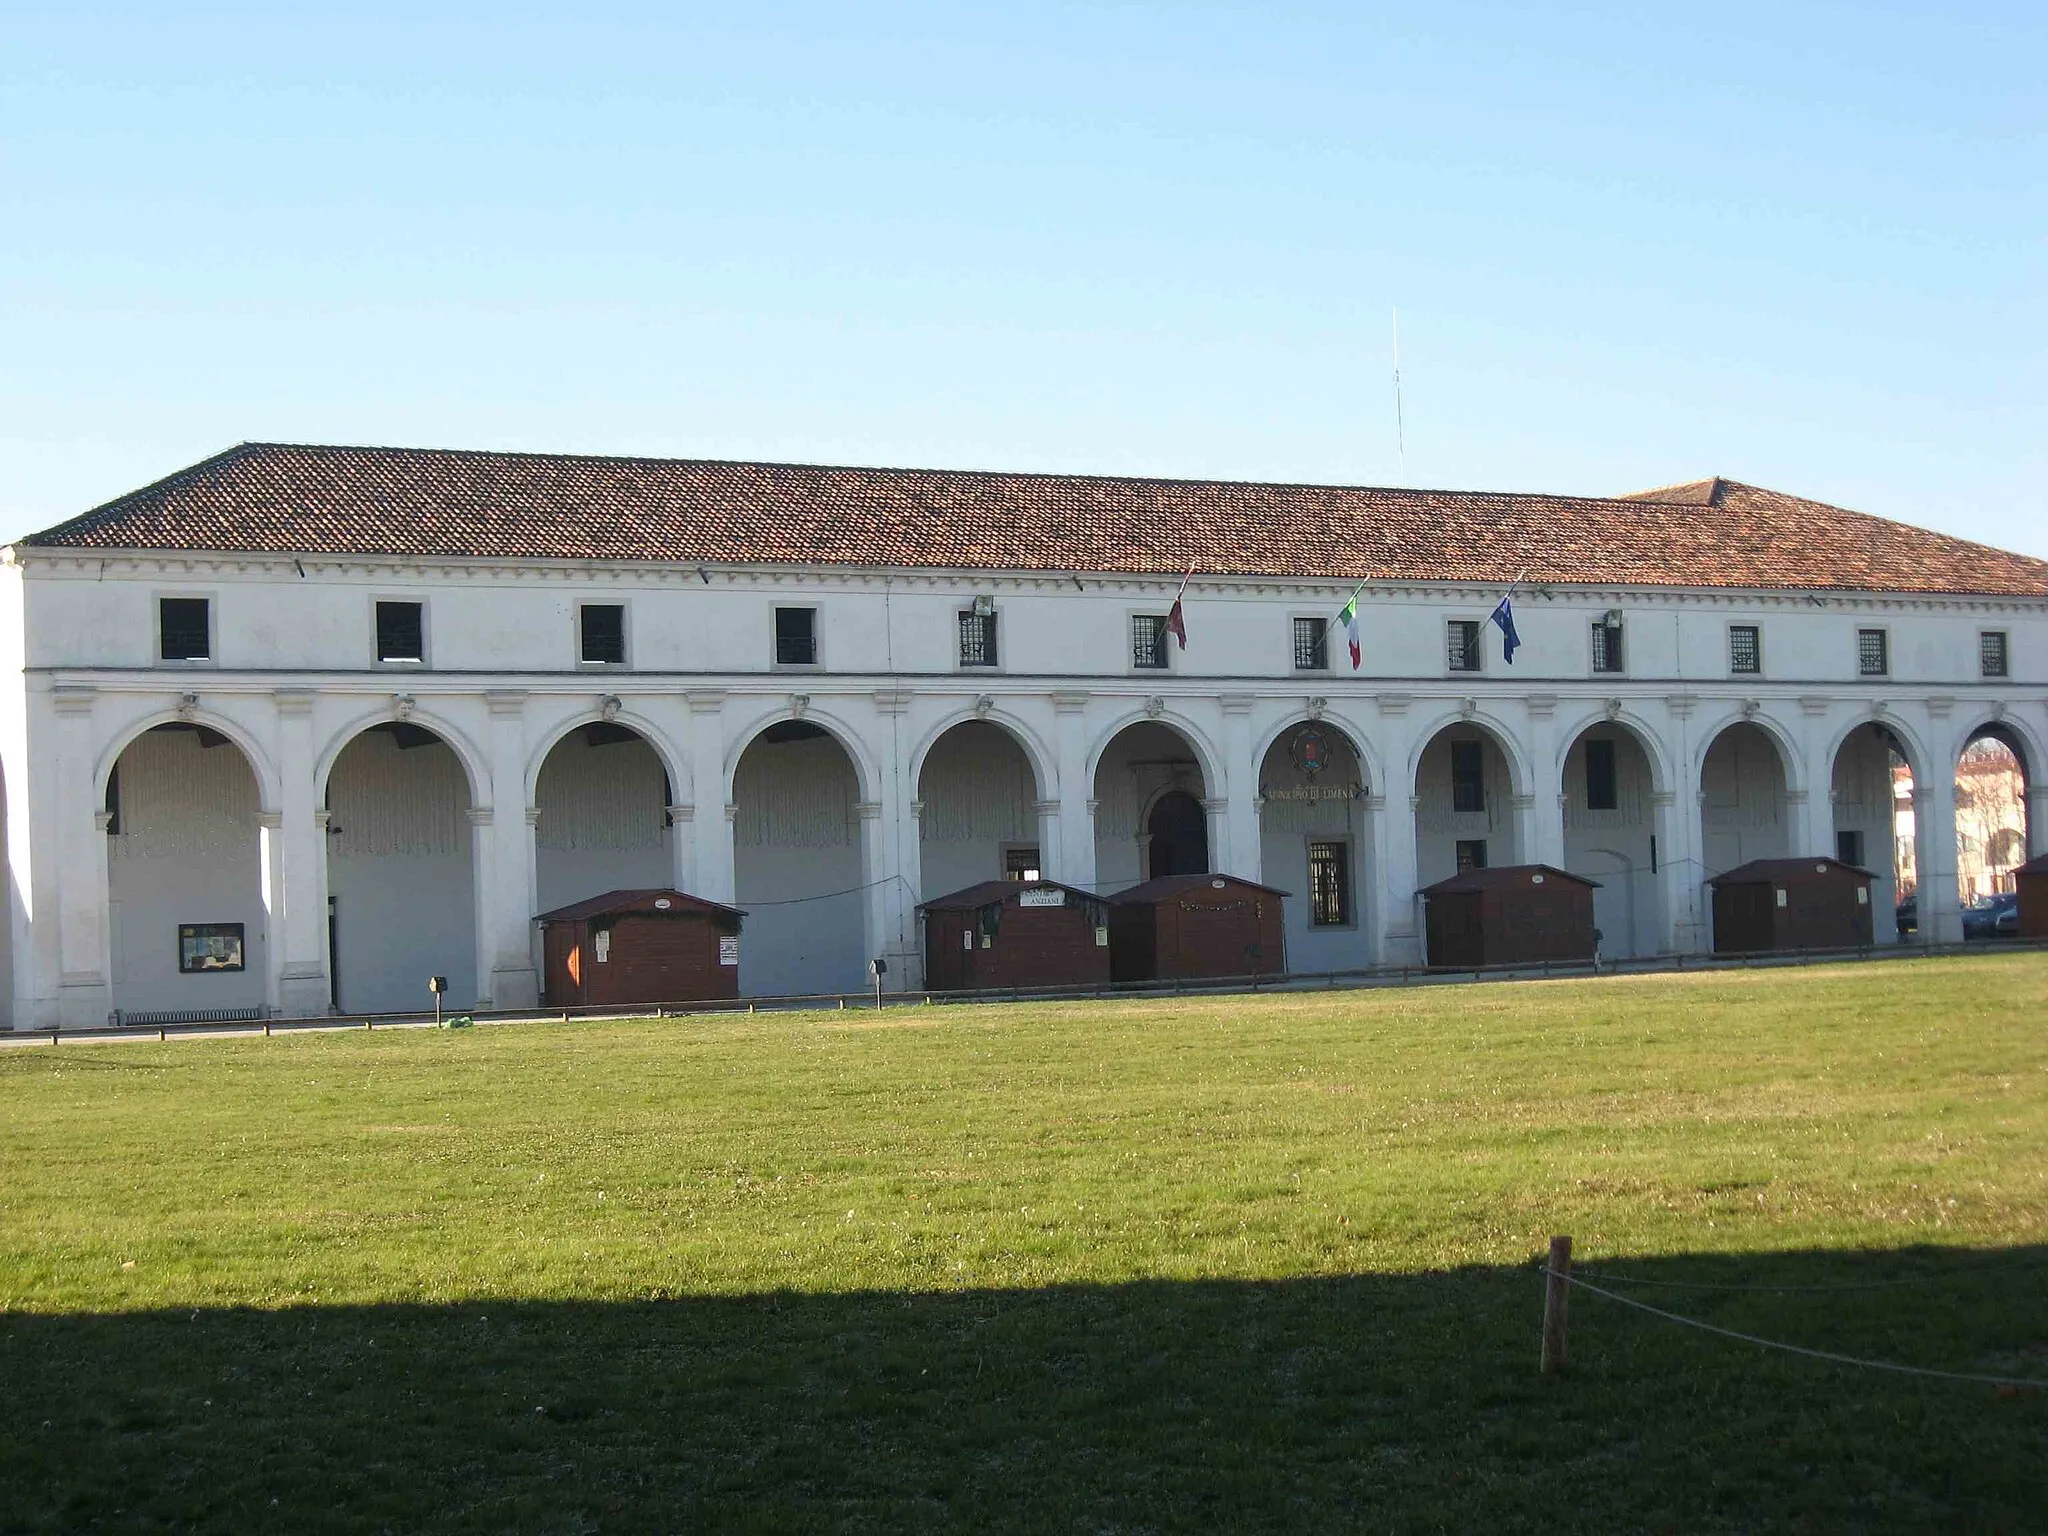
x=1991, y=814
x=1464, y=805
x=401, y=883
x=603, y=797
x=1313, y=843
x=1149, y=816
x=184, y=875
x=976, y=821
x=1610, y=835
x=798, y=864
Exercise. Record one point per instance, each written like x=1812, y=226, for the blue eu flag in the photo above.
x=1504, y=616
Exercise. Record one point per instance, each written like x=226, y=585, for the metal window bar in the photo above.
x=1311, y=645
x=1329, y=875
x=796, y=637
x=977, y=639
x=1462, y=645
x=1991, y=654
x=1148, y=640
x=1606, y=647
x=1873, y=657
x=1745, y=650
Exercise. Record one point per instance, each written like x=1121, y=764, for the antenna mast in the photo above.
x=1400, y=429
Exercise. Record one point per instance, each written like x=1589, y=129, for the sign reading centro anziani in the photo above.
x=1042, y=898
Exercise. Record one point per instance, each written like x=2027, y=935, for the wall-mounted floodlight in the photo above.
x=984, y=604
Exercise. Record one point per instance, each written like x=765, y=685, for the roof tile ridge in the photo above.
x=114, y=506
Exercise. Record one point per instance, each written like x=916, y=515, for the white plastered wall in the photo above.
x=1613, y=846
x=1744, y=812
x=1439, y=828
x=1289, y=822
x=976, y=790
x=797, y=867
x=1143, y=762
x=602, y=827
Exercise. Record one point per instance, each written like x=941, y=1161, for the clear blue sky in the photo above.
x=1799, y=245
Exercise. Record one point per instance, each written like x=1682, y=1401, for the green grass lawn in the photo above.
x=1111, y=1266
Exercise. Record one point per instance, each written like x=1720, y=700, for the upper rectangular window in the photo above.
x=1991, y=654
x=1311, y=645
x=1849, y=847
x=977, y=639
x=1329, y=884
x=1461, y=645
x=1468, y=776
x=1148, y=641
x=1606, y=646
x=401, y=631
x=185, y=628
x=602, y=631
x=1745, y=650
x=1020, y=862
x=796, y=637
x=1471, y=853
x=1873, y=653
x=1603, y=789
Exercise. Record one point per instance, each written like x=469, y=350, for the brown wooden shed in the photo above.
x=1516, y=914
x=1196, y=925
x=1771, y=904
x=639, y=947
x=2030, y=880
x=1015, y=933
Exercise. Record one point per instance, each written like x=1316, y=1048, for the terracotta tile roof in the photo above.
x=281, y=498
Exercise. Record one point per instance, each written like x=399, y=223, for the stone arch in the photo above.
x=1321, y=850
x=1990, y=808
x=867, y=769
x=673, y=763
x=1745, y=813
x=1448, y=830
x=1611, y=829
x=1130, y=771
x=474, y=766
x=1207, y=758
x=1511, y=749
x=1780, y=738
x=1044, y=771
x=600, y=822
x=1361, y=748
x=267, y=781
x=978, y=795
x=1645, y=735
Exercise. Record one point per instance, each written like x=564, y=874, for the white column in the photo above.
x=1400, y=910
x=1216, y=812
x=483, y=854
x=73, y=883
x=298, y=934
x=1817, y=767
x=1241, y=851
x=682, y=847
x=270, y=874
x=2037, y=820
x=711, y=821
x=1048, y=814
x=1524, y=809
x=1543, y=832
x=1681, y=838
x=1934, y=833
x=1074, y=860
x=506, y=906
x=895, y=875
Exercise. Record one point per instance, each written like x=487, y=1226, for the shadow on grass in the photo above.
x=1405, y=1401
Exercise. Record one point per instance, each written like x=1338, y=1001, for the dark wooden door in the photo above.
x=1179, y=829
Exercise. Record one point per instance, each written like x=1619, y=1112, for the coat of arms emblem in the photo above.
x=1310, y=751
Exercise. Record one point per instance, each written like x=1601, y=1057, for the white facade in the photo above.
x=370, y=824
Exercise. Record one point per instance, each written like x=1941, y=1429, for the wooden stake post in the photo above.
x=1557, y=1295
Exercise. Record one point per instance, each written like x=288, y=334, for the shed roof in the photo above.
x=1814, y=871
x=988, y=892
x=1500, y=877
x=2037, y=865
x=288, y=498
x=1163, y=886
x=631, y=901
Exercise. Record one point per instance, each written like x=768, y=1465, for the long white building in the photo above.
x=299, y=726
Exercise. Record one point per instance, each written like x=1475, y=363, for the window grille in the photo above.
x=1311, y=645
x=1991, y=657
x=401, y=632
x=1471, y=853
x=1462, y=645
x=1148, y=641
x=1329, y=882
x=1021, y=863
x=1606, y=647
x=977, y=639
x=604, y=633
x=1468, y=776
x=1602, y=787
x=183, y=628
x=796, y=637
x=1745, y=650
x=1873, y=654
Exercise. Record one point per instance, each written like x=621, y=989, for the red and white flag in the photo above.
x=1176, y=623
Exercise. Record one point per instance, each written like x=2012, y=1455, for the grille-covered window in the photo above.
x=401, y=632
x=1311, y=645
x=1329, y=883
x=796, y=637
x=1461, y=645
x=603, y=633
x=1873, y=653
x=1148, y=640
x=1471, y=853
x=183, y=628
x=1606, y=647
x=1468, y=776
x=1021, y=862
x=1602, y=781
x=1991, y=653
x=977, y=639
x=1745, y=650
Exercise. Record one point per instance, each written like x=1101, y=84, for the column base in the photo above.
x=1403, y=946
x=303, y=992
x=84, y=1001
x=513, y=989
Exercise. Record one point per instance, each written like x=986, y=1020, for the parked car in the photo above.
x=1909, y=915
x=1987, y=920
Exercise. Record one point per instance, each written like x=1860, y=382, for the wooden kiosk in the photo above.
x=2030, y=880
x=656, y=946
x=1015, y=933
x=1773, y=904
x=1196, y=925
x=1518, y=914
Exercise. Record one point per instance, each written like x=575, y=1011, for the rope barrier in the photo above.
x=1797, y=1349
x=1815, y=1290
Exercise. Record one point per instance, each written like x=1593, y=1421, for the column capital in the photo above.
x=293, y=702
x=732, y=810
x=869, y=810
x=1070, y=702
x=678, y=814
x=1375, y=802
x=533, y=815
x=1663, y=798
x=104, y=820
x=1795, y=797
x=1215, y=805
x=705, y=701
x=1041, y=807
x=479, y=815
x=270, y=821
x=917, y=810
x=504, y=703
x=1522, y=802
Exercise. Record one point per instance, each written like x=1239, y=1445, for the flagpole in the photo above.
x=1333, y=618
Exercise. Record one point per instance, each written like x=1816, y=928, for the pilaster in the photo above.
x=507, y=906
x=1074, y=859
x=297, y=902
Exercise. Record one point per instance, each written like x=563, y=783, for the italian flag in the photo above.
x=1350, y=618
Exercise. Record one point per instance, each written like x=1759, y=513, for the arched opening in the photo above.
x=977, y=821
x=1872, y=793
x=184, y=876
x=1465, y=805
x=1610, y=835
x=1149, y=786
x=798, y=864
x=1313, y=841
x=1743, y=803
x=603, y=797
x=10, y=903
x=401, y=884
x=1991, y=823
